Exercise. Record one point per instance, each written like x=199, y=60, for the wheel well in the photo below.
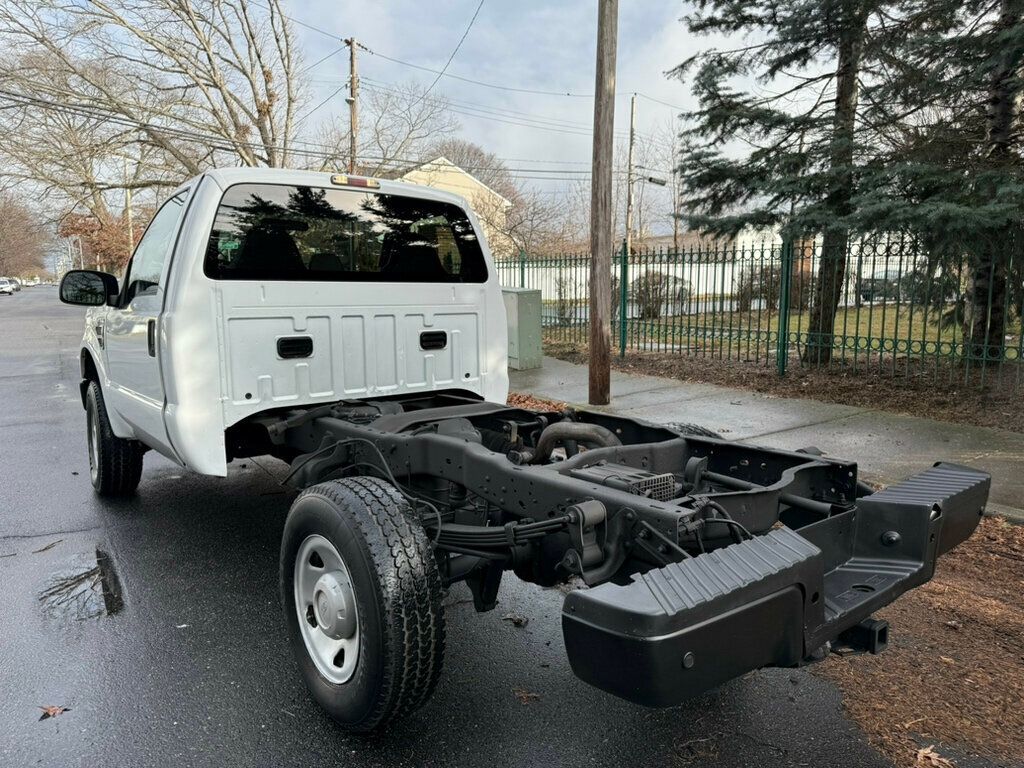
x=89, y=372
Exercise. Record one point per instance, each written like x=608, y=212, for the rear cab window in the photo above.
x=294, y=232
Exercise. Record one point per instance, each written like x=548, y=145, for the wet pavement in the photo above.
x=156, y=623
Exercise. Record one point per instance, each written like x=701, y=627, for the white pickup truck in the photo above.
x=355, y=329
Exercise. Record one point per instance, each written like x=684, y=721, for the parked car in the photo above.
x=355, y=329
x=6, y=287
x=884, y=285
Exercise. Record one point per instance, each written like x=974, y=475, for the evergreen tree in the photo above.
x=776, y=139
x=953, y=172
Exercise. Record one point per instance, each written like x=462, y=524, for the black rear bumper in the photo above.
x=677, y=631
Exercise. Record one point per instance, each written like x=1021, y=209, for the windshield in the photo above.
x=284, y=232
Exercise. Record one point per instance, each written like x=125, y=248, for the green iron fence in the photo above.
x=901, y=311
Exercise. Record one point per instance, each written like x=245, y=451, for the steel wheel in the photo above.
x=93, y=430
x=326, y=608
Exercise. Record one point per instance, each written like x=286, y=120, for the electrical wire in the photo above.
x=455, y=51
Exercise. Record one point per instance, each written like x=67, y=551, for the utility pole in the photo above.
x=629, y=176
x=353, y=103
x=601, y=204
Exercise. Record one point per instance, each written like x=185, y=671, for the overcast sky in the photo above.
x=525, y=44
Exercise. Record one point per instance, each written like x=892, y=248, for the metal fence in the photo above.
x=900, y=311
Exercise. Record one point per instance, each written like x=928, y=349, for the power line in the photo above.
x=444, y=73
x=322, y=103
x=455, y=51
x=321, y=60
x=220, y=142
x=445, y=100
x=509, y=117
x=482, y=83
x=659, y=101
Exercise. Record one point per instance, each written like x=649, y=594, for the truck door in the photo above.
x=131, y=329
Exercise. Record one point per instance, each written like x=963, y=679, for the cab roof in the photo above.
x=226, y=177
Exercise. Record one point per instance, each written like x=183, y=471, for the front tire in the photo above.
x=115, y=464
x=362, y=601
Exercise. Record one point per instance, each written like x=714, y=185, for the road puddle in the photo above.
x=88, y=590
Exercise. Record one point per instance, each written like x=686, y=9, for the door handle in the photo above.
x=151, y=337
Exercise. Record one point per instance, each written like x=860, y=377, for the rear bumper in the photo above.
x=775, y=600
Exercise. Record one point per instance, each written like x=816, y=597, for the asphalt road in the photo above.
x=194, y=668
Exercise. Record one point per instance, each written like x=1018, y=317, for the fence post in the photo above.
x=623, y=292
x=782, y=343
x=522, y=269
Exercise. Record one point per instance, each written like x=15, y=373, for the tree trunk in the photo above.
x=835, y=240
x=989, y=279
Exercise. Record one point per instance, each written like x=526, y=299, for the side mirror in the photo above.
x=87, y=287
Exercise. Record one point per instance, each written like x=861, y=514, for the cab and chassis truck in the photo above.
x=355, y=329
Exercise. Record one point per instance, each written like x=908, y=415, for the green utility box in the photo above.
x=522, y=305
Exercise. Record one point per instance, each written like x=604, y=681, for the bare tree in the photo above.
x=486, y=166
x=23, y=238
x=190, y=78
x=397, y=126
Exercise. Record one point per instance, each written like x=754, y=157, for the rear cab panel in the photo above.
x=229, y=342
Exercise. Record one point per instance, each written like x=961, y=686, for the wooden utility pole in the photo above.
x=601, y=204
x=353, y=103
x=629, y=176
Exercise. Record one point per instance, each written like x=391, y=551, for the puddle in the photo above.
x=88, y=591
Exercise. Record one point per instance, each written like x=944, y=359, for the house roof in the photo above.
x=443, y=162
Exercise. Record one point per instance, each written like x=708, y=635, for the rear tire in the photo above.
x=115, y=464
x=388, y=573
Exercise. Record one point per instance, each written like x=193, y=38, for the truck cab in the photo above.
x=254, y=289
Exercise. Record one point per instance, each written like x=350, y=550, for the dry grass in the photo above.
x=954, y=671
x=916, y=391
x=532, y=403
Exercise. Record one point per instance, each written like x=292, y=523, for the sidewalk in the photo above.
x=886, y=446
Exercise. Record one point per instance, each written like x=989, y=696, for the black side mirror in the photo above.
x=87, y=288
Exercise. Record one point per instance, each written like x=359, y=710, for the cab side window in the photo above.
x=145, y=270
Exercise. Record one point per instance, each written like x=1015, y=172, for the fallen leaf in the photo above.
x=946, y=660
x=524, y=696
x=516, y=619
x=52, y=711
x=51, y=545
x=929, y=758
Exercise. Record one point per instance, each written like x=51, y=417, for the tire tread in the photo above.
x=413, y=617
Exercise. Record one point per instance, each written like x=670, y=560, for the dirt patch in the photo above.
x=519, y=400
x=916, y=391
x=953, y=674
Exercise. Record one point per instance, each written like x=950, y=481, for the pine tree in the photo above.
x=797, y=114
x=954, y=171
x=850, y=116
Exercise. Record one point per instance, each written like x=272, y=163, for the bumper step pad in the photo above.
x=687, y=627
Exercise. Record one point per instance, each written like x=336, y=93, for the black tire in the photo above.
x=115, y=464
x=397, y=593
x=694, y=429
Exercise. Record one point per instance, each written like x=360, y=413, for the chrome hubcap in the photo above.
x=326, y=608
